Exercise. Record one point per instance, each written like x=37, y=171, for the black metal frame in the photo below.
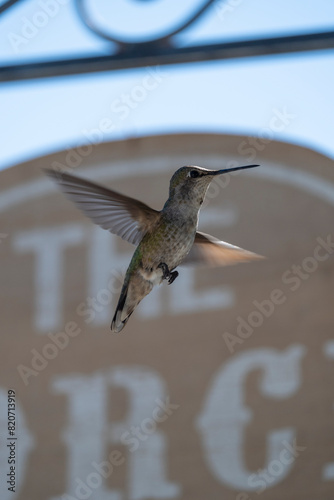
x=161, y=50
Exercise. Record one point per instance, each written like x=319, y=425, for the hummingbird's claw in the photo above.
x=166, y=274
x=165, y=270
x=172, y=277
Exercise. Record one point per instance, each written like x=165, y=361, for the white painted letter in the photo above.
x=48, y=245
x=328, y=470
x=88, y=435
x=225, y=415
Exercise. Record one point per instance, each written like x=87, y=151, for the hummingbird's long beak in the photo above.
x=226, y=170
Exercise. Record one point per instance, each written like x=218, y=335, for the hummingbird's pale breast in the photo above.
x=169, y=242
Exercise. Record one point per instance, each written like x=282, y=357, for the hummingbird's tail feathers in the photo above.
x=209, y=251
x=119, y=320
x=121, y=317
x=133, y=291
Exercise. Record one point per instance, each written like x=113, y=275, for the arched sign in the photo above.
x=219, y=386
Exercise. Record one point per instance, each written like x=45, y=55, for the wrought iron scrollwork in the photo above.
x=158, y=50
x=124, y=45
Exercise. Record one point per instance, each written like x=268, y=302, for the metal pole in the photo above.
x=151, y=55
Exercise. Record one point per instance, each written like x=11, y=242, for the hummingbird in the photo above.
x=164, y=239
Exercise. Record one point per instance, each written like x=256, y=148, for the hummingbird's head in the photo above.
x=190, y=183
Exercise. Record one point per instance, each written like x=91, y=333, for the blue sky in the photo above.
x=240, y=96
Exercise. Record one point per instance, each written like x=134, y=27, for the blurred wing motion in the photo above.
x=209, y=251
x=128, y=218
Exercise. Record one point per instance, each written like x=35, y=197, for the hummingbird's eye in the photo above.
x=194, y=173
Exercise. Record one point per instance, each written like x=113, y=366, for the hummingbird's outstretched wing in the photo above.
x=128, y=218
x=209, y=251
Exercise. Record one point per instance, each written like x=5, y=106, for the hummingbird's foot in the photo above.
x=166, y=274
x=172, y=277
x=165, y=270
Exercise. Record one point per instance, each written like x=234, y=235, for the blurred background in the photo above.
x=220, y=385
